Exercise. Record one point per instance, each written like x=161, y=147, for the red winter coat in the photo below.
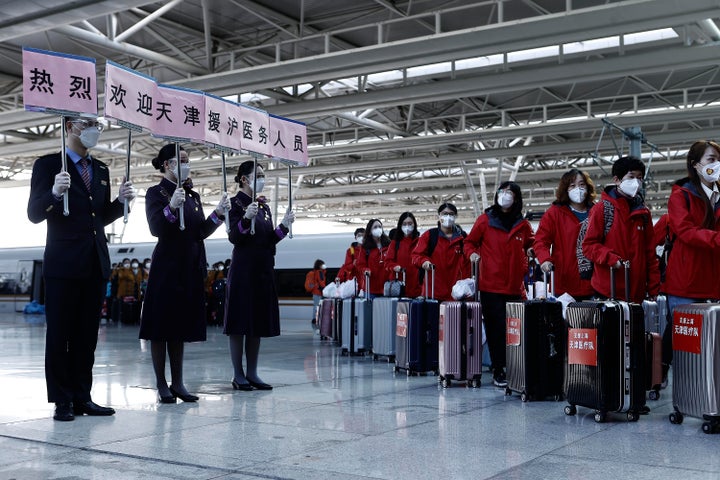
x=450, y=263
x=402, y=255
x=661, y=229
x=631, y=237
x=349, y=269
x=503, y=261
x=558, y=231
x=374, y=262
x=694, y=265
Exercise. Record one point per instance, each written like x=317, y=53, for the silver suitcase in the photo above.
x=655, y=315
x=696, y=370
x=384, y=320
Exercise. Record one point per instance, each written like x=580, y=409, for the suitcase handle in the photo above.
x=475, y=269
x=626, y=264
x=432, y=282
x=367, y=285
x=551, y=292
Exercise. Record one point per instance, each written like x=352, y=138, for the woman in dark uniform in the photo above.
x=174, y=308
x=252, y=305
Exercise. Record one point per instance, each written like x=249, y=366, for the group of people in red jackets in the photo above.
x=618, y=229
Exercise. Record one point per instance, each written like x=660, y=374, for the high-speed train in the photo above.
x=21, y=268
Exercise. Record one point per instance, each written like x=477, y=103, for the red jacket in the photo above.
x=558, y=232
x=349, y=269
x=374, y=262
x=450, y=263
x=631, y=237
x=694, y=265
x=402, y=255
x=503, y=261
x=318, y=281
x=661, y=229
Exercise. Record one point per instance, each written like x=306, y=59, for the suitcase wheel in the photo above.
x=653, y=395
x=632, y=416
x=445, y=382
x=396, y=369
x=508, y=392
x=524, y=397
x=473, y=383
x=558, y=397
x=391, y=358
x=707, y=427
x=375, y=357
x=600, y=417
x=570, y=410
x=676, y=418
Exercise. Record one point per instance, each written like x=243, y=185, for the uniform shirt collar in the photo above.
x=711, y=191
x=74, y=156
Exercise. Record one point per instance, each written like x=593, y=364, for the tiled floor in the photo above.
x=329, y=417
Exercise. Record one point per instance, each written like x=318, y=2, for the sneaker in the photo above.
x=499, y=379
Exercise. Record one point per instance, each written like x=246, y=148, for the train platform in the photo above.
x=328, y=417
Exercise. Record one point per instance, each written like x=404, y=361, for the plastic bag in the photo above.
x=330, y=290
x=566, y=299
x=347, y=289
x=463, y=289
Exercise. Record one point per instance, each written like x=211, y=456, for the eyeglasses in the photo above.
x=84, y=124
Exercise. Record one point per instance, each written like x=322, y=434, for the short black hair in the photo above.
x=447, y=205
x=623, y=165
x=359, y=231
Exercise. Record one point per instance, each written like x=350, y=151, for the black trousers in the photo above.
x=72, y=312
x=493, y=307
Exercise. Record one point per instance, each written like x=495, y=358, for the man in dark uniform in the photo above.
x=76, y=263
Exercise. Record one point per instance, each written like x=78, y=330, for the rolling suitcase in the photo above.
x=384, y=319
x=416, y=340
x=326, y=318
x=696, y=370
x=535, y=348
x=655, y=321
x=357, y=325
x=460, y=341
x=606, y=353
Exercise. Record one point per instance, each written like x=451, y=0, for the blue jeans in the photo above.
x=316, y=304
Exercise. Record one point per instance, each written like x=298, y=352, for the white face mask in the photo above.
x=407, y=229
x=577, y=195
x=220, y=268
x=377, y=232
x=147, y=265
x=260, y=184
x=323, y=267
x=135, y=265
x=126, y=265
x=630, y=187
x=184, y=169
x=505, y=199
x=447, y=221
x=89, y=137
x=711, y=172
x=359, y=239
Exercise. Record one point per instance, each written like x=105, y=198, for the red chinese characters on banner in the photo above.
x=512, y=331
x=582, y=346
x=59, y=83
x=402, y=325
x=687, y=332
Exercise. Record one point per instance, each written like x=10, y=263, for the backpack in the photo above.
x=310, y=281
x=585, y=266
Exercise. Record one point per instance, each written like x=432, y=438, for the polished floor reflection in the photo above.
x=328, y=417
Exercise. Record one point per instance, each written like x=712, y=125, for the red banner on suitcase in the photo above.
x=687, y=332
x=582, y=346
x=402, y=325
x=512, y=336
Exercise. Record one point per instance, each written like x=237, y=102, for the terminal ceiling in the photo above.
x=407, y=103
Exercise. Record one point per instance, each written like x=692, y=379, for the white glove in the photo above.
x=288, y=218
x=223, y=205
x=127, y=191
x=177, y=199
x=546, y=266
x=251, y=211
x=474, y=257
x=62, y=183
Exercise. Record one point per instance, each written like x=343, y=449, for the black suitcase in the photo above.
x=535, y=349
x=606, y=352
x=416, y=334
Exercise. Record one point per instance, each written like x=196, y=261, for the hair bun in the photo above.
x=157, y=163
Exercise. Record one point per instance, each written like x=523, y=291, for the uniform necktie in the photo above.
x=85, y=172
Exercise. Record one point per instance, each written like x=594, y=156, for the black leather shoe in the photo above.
x=64, y=412
x=184, y=397
x=92, y=409
x=260, y=385
x=241, y=386
x=167, y=399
